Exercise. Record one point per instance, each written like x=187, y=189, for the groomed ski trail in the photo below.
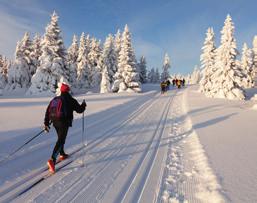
x=14, y=190
x=107, y=165
x=151, y=154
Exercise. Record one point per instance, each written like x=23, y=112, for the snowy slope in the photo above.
x=140, y=148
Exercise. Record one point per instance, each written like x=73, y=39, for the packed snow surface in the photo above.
x=149, y=147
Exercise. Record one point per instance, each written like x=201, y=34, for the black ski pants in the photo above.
x=62, y=131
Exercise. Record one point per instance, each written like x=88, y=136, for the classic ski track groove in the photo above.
x=152, y=160
x=42, y=172
x=138, y=166
x=86, y=186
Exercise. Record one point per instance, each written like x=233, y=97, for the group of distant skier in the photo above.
x=178, y=82
x=165, y=85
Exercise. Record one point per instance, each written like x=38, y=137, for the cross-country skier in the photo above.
x=163, y=87
x=60, y=113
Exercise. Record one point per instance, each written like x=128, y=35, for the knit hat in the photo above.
x=65, y=88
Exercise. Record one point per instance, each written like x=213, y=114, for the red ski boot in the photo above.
x=51, y=166
x=63, y=157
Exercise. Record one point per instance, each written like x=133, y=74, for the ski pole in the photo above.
x=15, y=151
x=83, y=143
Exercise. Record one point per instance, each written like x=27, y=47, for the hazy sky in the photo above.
x=177, y=27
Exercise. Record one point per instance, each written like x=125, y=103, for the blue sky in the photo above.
x=177, y=27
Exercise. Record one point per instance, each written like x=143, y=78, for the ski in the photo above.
x=49, y=174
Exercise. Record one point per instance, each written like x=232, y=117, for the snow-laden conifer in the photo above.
x=165, y=68
x=6, y=66
x=118, y=78
x=20, y=73
x=255, y=59
x=227, y=76
x=36, y=53
x=142, y=69
x=72, y=56
x=3, y=75
x=247, y=67
x=82, y=62
x=105, y=86
x=95, y=63
x=27, y=49
x=195, y=76
x=188, y=78
x=151, y=75
x=2, y=64
x=157, y=76
x=52, y=61
x=117, y=43
x=109, y=57
x=207, y=59
x=127, y=77
x=1, y=61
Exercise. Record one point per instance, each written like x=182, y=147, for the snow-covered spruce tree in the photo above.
x=151, y=75
x=165, y=68
x=1, y=61
x=27, y=50
x=128, y=77
x=227, y=76
x=3, y=75
x=52, y=61
x=118, y=79
x=5, y=67
x=109, y=57
x=20, y=73
x=195, y=76
x=142, y=69
x=95, y=63
x=117, y=43
x=255, y=59
x=207, y=59
x=157, y=76
x=82, y=63
x=188, y=79
x=36, y=53
x=105, y=86
x=247, y=67
x=72, y=56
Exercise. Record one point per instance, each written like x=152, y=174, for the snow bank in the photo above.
x=227, y=131
x=188, y=175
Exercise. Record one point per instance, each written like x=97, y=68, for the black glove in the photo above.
x=46, y=128
x=84, y=104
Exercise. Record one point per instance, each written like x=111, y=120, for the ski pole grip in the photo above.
x=84, y=102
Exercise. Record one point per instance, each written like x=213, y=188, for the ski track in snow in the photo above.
x=148, y=153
